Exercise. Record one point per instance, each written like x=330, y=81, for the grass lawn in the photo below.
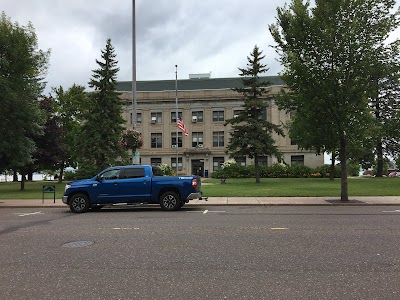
x=300, y=187
x=278, y=187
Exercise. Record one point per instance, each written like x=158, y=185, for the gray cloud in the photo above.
x=197, y=35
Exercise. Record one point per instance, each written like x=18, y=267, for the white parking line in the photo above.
x=29, y=214
x=207, y=211
x=398, y=210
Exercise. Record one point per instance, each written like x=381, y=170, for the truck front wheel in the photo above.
x=170, y=201
x=79, y=203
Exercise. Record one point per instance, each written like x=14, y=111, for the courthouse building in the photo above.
x=204, y=103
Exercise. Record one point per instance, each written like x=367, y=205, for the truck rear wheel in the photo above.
x=79, y=203
x=170, y=201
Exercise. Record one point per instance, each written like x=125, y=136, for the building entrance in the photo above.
x=198, y=167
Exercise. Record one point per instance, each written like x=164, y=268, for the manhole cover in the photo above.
x=77, y=244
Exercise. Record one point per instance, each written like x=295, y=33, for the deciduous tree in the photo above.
x=22, y=69
x=326, y=52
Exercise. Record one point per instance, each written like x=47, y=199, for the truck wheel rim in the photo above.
x=169, y=201
x=79, y=203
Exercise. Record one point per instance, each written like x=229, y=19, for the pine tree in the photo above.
x=102, y=126
x=252, y=133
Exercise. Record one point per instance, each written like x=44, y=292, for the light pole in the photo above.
x=134, y=104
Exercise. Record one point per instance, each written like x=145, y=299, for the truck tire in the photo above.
x=170, y=201
x=79, y=203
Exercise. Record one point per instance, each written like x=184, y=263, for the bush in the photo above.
x=278, y=170
x=70, y=176
x=299, y=171
x=166, y=170
x=325, y=171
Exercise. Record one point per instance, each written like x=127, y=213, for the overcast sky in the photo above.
x=199, y=36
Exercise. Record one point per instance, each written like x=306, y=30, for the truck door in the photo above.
x=107, y=189
x=134, y=186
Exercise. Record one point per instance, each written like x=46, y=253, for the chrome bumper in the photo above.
x=193, y=196
x=65, y=199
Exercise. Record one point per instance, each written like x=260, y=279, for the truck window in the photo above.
x=134, y=173
x=110, y=175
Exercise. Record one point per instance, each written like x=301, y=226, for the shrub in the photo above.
x=70, y=176
x=278, y=170
x=165, y=169
x=298, y=171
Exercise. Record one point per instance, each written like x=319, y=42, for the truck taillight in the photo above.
x=194, y=183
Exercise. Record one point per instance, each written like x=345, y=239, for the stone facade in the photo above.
x=203, y=112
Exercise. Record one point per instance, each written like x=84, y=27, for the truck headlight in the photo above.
x=67, y=186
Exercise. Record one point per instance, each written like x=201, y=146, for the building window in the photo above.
x=173, y=163
x=297, y=160
x=263, y=115
x=240, y=160
x=217, y=163
x=156, y=117
x=197, y=116
x=218, y=116
x=138, y=118
x=173, y=116
x=218, y=139
x=197, y=139
x=155, y=161
x=237, y=112
x=156, y=140
x=174, y=142
x=263, y=160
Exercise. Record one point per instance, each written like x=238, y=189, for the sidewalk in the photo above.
x=267, y=201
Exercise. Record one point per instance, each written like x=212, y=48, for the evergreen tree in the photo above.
x=98, y=145
x=252, y=133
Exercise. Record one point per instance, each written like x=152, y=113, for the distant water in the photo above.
x=36, y=177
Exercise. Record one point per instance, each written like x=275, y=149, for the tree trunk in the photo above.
x=344, y=196
x=60, y=179
x=332, y=172
x=23, y=181
x=30, y=176
x=15, y=176
x=257, y=169
x=379, y=155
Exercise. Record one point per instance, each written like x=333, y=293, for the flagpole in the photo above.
x=176, y=115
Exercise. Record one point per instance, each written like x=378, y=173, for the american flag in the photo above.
x=182, y=127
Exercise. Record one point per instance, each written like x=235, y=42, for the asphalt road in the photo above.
x=219, y=252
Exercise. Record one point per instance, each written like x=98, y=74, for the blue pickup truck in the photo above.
x=131, y=185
